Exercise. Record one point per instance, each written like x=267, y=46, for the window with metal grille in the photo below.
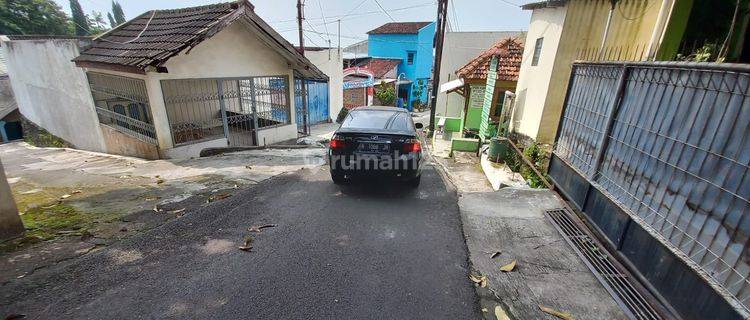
x=122, y=104
x=410, y=57
x=537, y=51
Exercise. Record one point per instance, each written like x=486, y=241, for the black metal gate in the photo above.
x=657, y=155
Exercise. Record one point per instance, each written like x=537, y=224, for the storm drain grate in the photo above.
x=597, y=259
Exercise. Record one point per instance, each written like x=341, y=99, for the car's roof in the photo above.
x=380, y=108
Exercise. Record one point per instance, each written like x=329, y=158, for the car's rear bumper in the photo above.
x=402, y=168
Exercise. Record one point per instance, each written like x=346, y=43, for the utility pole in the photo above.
x=442, y=15
x=303, y=82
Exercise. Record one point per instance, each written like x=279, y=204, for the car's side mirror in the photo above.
x=418, y=125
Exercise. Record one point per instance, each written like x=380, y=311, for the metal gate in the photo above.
x=234, y=109
x=317, y=104
x=657, y=156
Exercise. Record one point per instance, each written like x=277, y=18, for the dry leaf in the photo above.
x=248, y=244
x=215, y=197
x=561, y=315
x=249, y=167
x=15, y=316
x=76, y=191
x=159, y=181
x=480, y=280
x=178, y=211
x=152, y=198
x=500, y=314
x=260, y=227
x=495, y=254
x=157, y=210
x=508, y=267
x=65, y=196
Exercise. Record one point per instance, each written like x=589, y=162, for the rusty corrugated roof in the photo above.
x=509, y=52
x=152, y=38
x=379, y=67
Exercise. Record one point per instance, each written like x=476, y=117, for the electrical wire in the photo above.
x=324, y=20
x=455, y=17
x=384, y=11
x=153, y=13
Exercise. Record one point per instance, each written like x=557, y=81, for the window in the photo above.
x=410, y=57
x=537, y=51
x=377, y=119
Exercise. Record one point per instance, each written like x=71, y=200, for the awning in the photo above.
x=450, y=85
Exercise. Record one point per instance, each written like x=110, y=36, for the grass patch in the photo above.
x=50, y=222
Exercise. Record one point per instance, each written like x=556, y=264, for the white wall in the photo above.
x=533, y=81
x=330, y=61
x=458, y=50
x=52, y=92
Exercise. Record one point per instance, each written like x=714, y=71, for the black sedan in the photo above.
x=376, y=142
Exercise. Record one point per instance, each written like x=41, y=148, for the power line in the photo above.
x=455, y=17
x=324, y=20
x=510, y=3
x=383, y=9
x=351, y=16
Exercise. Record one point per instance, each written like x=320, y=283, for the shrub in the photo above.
x=386, y=94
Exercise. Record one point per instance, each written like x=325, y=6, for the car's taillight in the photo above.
x=412, y=146
x=337, y=143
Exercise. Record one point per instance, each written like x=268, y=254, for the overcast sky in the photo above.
x=464, y=15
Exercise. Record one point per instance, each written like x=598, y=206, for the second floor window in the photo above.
x=537, y=51
x=410, y=57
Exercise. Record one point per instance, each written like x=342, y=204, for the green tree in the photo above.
x=117, y=12
x=79, y=18
x=96, y=23
x=32, y=17
x=112, y=22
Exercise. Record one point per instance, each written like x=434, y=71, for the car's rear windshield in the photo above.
x=377, y=119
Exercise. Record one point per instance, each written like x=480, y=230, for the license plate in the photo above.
x=370, y=147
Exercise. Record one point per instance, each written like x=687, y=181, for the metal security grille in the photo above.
x=232, y=109
x=671, y=143
x=122, y=103
x=606, y=269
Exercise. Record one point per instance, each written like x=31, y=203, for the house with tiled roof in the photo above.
x=408, y=46
x=471, y=81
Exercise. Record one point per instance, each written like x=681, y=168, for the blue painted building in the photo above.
x=412, y=44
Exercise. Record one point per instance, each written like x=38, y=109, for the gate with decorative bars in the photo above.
x=233, y=109
x=656, y=156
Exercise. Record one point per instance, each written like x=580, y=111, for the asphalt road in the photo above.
x=379, y=252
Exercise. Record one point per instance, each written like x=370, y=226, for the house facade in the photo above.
x=162, y=86
x=562, y=31
x=458, y=49
x=473, y=76
x=411, y=44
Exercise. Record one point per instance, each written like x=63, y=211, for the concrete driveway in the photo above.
x=380, y=252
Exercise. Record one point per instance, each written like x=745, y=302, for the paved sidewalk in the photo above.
x=511, y=221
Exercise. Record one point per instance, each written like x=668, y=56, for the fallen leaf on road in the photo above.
x=508, y=267
x=159, y=181
x=495, y=254
x=178, y=211
x=500, y=314
x=480, y=280
x=561, y=315
x=15, y=316
x=247, y=246
x=484, y=310
x=260, y=227
x=157, y=210
x=249, y=167
x=216, y=197
x=76, y=191
x=65, y=196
